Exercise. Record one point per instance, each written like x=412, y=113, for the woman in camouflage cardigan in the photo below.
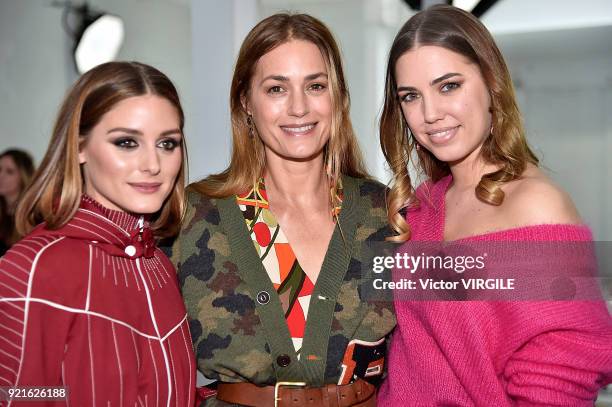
x=280, y=316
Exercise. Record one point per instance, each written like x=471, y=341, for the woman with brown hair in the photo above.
x=270, y=254
x=88, y=304
x=450, y=106
x=16, y=169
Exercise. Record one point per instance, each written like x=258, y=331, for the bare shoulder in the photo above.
x=535, y=199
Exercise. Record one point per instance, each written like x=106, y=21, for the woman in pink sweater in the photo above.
x=88, y=304
x=450, y=102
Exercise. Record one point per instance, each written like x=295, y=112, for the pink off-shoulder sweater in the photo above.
x=496, y=353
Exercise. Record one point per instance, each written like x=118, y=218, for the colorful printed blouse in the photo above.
x=293, y=286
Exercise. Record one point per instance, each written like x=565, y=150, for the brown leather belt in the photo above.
x=285, y=394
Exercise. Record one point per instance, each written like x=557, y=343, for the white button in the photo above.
x=130, y=250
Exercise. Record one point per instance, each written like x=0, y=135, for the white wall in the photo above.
x=36, y=69
x=219, y=27
x=519, y=16
x=33, y=72
x=564, y=79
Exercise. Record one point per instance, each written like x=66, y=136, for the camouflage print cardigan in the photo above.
x=236, y=319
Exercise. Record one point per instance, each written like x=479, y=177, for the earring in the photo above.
x=249, y=121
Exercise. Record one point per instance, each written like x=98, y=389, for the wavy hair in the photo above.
x=247, y=164
x=55, y=194
x=458, y=31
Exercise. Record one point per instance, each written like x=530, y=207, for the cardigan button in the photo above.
x=263, y=297
x=130, y=250
x=283, y=360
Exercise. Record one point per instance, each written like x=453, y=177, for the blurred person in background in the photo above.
x=16, y=170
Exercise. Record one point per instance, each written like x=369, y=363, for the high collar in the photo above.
x=124, y=220
x=118, y=233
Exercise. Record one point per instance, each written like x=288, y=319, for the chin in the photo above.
x=299, y=155
x=150, y=208
x=140, y=206
x=143, y=210
x=449, y=155
x=303, y=157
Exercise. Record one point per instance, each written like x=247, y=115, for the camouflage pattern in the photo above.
x=226, y=328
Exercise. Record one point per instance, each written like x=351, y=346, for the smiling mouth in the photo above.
x=441, y=136
x=299, y=129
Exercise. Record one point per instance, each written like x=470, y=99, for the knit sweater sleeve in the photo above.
x=563, y=353
x=567, y=361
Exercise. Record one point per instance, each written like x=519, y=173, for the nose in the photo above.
x=298, y=104
x=150, y=161
x=431, y=109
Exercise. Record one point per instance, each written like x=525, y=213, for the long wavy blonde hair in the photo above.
x=506, y=147
x=55, y=194
x=342, y=155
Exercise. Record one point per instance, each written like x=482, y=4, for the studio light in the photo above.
x=100, y=42
x=467, y=5
x=97, y=39
x=476, y=7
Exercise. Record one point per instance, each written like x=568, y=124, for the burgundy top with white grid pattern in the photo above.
x=96, y=308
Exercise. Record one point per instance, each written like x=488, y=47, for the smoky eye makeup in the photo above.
x=125, y=142
x=170, y=143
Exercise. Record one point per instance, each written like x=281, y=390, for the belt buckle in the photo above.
x=279, y=384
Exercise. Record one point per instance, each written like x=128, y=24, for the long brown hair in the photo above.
x=55, y=193
x=458, y=31
x=342, y=155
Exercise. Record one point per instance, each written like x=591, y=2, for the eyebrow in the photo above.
x=432, y=83
x=444, y=77
x=139, y=133
x=282, y=78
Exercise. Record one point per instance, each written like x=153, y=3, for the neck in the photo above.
x=296, y=182
x=468, y=172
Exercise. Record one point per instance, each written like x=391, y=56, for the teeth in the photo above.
x=441, y=133
x=299, y=129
